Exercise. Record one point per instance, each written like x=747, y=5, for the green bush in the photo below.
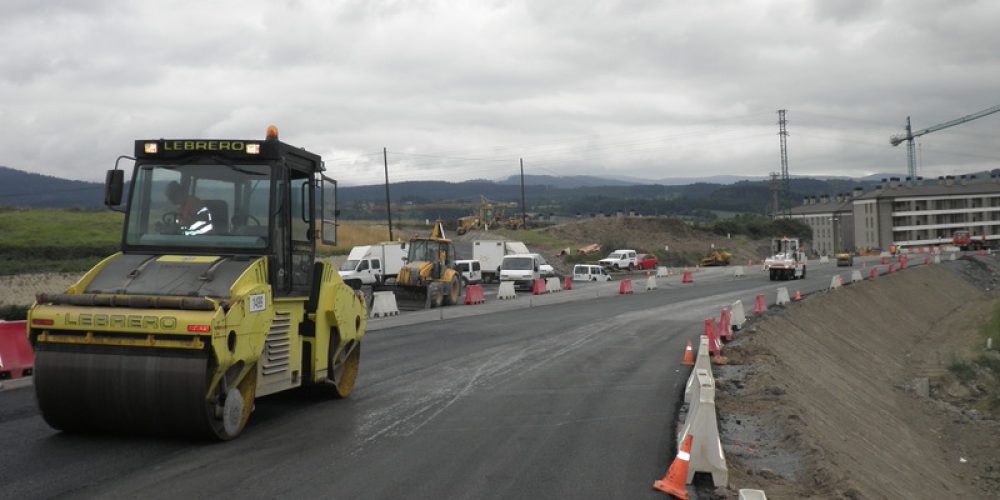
x=965, y=372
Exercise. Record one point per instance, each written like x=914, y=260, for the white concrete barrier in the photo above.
x=782, y=297
x=835, y=282
x=703, y=361
x=824, y=259
x=953, y=256
x=662, y=272
x=856, y=276
x=651, y=283
x=937, y=259
x=384, y=304
x=746, y=494
x=552, y=285
x=885, y=254
x=506, y=291
x=738, y=272
x=702, y=423
x=738, y=315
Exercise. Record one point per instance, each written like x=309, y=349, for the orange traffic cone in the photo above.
x=676, y=477
x=688, y=355
x=798, y=295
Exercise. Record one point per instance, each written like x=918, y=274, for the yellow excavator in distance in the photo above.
x=429, y=275
x=717, y=258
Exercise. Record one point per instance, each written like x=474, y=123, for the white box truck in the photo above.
x=491, y=252
x=373, y=264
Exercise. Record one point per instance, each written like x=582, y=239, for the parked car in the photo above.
x=585, y=272
x=619, y=259
x=471, y=271
x=647, y=261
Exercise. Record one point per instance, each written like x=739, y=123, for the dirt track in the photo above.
x=20, y=289
x=819, y=399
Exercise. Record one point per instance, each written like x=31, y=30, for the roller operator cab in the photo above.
x=215, y=298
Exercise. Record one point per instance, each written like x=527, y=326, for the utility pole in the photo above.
x=388, y=212
x=524, y=215
x=783, y=138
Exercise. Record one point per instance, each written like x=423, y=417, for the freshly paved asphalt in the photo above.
x=574, y=399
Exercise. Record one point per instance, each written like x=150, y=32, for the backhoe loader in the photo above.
x=429, y=277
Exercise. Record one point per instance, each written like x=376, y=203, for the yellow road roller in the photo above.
x=215, y=299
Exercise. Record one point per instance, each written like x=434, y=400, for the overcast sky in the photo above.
x=462, y=89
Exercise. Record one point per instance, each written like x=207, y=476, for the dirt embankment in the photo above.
x=20, y=289
x=848, y=394
x=651, y=235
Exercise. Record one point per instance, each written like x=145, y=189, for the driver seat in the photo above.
x=220, y=215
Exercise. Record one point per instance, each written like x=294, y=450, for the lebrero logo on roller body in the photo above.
x=121, y=321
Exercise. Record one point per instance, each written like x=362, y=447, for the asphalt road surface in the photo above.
x=576, y=399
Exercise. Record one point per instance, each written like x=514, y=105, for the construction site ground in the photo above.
x=825, y=398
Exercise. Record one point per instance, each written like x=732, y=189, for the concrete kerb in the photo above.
x=17, y=383
x=702, y=423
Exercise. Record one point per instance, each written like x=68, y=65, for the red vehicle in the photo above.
x=647, y=261
x=965, y=241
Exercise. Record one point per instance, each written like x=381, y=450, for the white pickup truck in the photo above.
x=620, y=259
x=373, y=264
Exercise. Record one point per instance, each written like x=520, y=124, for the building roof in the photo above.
x=828, y=207
x=933, y=188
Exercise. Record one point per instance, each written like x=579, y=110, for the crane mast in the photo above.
x=910, y=135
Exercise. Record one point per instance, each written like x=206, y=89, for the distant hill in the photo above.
x=26, y=189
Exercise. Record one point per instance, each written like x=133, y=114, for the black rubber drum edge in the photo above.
x=125, y=390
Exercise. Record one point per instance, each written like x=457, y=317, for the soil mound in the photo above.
x=839, y=396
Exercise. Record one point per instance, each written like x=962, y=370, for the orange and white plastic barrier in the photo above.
x=737, y=316
x=17, y=359
x=782, y=297
x=625, y=287
x=538, y=287
x=506, y=291
x=702, y=426
x=651, y=283
x=687, y=278
x=383, y=304
x=474, y=295
x=759, y=305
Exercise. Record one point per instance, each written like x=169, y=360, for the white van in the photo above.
x=471, y=270
x=522, y=268
x=585, y=272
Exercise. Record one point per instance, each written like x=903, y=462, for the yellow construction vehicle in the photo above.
x=429, y=276
x=214, y=299
x=468, y=223
x=717, y=258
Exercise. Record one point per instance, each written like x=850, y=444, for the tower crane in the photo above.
x=910, y=135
